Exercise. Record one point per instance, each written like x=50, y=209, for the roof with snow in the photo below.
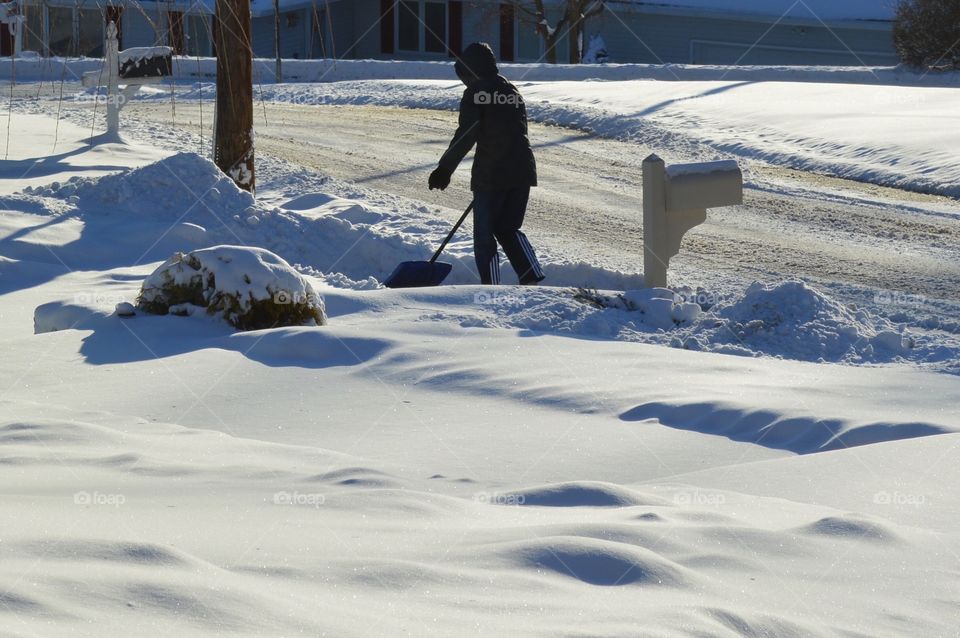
x=825, y=10
x=258, y=8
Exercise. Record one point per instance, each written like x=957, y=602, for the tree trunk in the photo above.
x=233, y=146
x=574, y=40
x=552, y=41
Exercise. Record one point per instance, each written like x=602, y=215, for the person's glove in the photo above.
x=439, y=178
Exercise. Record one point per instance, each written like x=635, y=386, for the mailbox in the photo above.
x=676, y=199
x=145, y=62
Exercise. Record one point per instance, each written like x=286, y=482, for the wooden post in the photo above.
x=233, y=146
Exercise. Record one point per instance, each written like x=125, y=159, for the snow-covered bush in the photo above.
x=926, y=32
x=596, y=51
x=251, y=288
x=660, y=308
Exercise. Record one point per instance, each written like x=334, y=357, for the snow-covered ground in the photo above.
x=887, y=126
x=905, y=137
x=449, y=461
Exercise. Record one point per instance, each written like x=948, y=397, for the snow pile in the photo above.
x=788, y=320
x=161, y=190
x=250, y=288
x=185, y=202
x=793, y=320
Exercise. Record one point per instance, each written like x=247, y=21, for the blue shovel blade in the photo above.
x=418, y=274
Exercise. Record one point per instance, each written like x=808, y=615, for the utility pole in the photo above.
x=276, y=39
x=233, y=146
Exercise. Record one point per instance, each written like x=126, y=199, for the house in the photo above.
x=776, y=32
x=750, y=32
x=404, y=29
x=77, y=27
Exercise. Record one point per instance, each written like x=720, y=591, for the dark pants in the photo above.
x=497, y=217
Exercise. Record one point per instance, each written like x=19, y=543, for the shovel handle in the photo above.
x=456, y=227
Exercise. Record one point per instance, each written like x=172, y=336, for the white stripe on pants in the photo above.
x=531, y=256
x=495, y=269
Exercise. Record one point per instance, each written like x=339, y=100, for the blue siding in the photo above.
x=292, y=35
x=650, y=38
x=137, y=30
x=365, y=42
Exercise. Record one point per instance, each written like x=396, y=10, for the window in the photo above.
x=529, y=41
x=197, y=35
x=61, y=31
x=435, y=27
x=76, y=31
x=33, y=33
x=408, y=26
x=422, y=26
x=90, y=34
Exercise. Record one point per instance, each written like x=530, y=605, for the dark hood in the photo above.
x=477, y=61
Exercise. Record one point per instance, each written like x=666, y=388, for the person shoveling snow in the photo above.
x=493, y=116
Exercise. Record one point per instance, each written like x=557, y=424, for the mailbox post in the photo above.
x=11, y=18
x=676, y=199
x=112, y=58
x=116, y=75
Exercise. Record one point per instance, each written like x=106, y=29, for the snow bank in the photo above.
x=793, y=320
x=56, y=315
x=161, y=190
x=348, y=244
x=789, y=320
x=192, y=69
x=191, y=204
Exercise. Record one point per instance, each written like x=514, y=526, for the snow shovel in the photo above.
x=418, y=274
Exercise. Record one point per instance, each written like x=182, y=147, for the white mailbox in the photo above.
x=676, y=199
x=117, y=97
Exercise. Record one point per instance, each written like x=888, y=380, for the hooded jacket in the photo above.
x=494, y=117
